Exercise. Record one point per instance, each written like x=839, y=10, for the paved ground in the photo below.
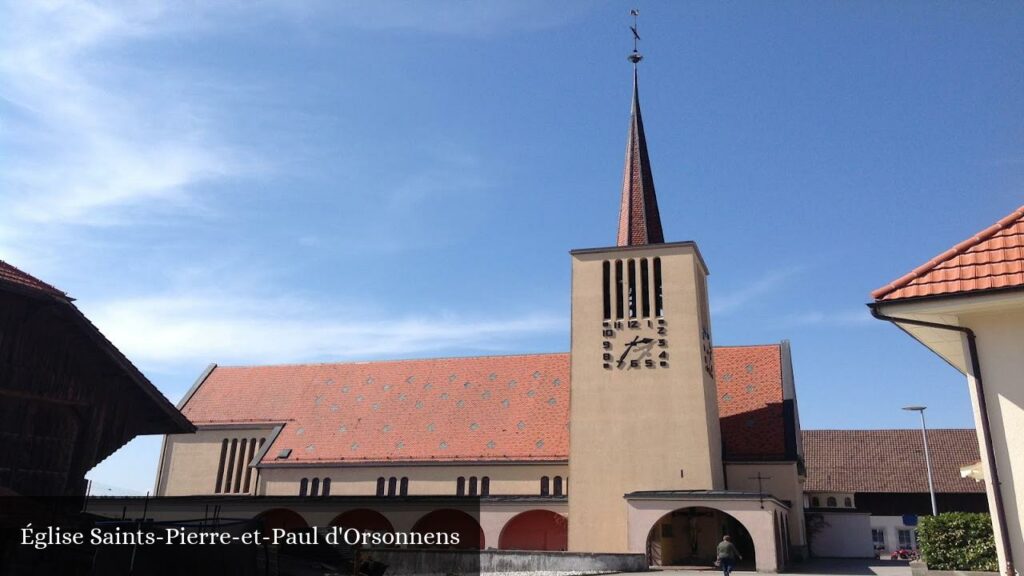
x=816, y=567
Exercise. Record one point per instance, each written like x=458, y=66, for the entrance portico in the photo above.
x=759, y=515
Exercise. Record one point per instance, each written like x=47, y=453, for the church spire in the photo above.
x=639, y=220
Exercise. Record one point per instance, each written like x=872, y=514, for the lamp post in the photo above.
x=927, y=459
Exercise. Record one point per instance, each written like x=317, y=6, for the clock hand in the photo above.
x=629, y=346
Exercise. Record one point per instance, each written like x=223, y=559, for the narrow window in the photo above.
x=485, y=486
x=303, y=486
x=392, y=486
x=472, y=485
x=848, y=502
x=220, y=467
x=831, y=502
x=460, y=486
x=314, y=487
x=545, y=486
x=231, y=464
x=606, y=288
x=403, y=486
x=659, y=305
x=645, y=289
x=632, y=288
x=326, y=491
x=558, y=485
x=248, y=468
x=240, y=465
x=815, y=503
x=380, y=486
x=618, y=289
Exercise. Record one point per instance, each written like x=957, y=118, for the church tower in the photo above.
x=644, y=413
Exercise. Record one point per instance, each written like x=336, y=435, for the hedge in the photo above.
x=958, y=541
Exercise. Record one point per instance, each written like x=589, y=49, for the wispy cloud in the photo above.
x=729, y=302
x=227, y=328
x=87, y=135
x=830, y=318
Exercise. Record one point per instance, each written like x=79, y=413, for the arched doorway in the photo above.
x=282, y=518
x=535, y=530
x=364, y=520
x=471, y=535
x=690, y=536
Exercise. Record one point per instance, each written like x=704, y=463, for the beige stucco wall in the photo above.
x=189, y=462
x=759, y=522
x=638, y=429
x=783, y=483
x=844, y=535
x=424, y=480
x=1000, y=341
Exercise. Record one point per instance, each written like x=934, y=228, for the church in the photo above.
x=643, y=438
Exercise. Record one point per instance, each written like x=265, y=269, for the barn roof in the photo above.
x=888, y=461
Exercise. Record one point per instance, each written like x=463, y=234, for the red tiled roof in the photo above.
x=888, y=461
x=639, y=220
x=750, y=401
x=12, y=275
x=993, y=258
x=489, y=408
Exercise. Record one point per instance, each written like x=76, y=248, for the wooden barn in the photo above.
x=68, y=397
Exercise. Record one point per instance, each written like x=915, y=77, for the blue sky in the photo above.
x=260, y=182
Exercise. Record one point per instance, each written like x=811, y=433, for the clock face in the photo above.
x=635, y=344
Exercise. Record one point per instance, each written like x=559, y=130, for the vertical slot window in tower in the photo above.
x=218, y=488
x=659, y=303
x=606, y=288
x=645, y=290
x=631, y=301
x=618, y=290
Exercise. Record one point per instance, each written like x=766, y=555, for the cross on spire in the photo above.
x=639, y=219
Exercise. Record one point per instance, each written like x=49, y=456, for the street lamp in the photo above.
x=927, y=458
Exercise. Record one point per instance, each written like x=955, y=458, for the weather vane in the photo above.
x=636, y=56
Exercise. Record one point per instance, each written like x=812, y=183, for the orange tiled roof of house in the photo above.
x=991, y=259
x=12, y=275
x=486, y=408
x=888, y=461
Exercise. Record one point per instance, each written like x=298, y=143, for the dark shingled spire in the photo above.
x=639, y=220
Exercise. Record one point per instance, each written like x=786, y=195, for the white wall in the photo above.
x=847, y=535
x=891, y=524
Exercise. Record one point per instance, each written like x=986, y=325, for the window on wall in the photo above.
x=234, y=475
x=878, y=537
x=314, y=487
x=848, y=502
x=815, y=503
x=906, y=539
x=606, y=292
x=831, y=502
x=545, y=486
x=558, y=486
x=392, y=486
x=303, y=487
x=380, y=486
x=403, y=486
x=472, y=485
x=325, y=488
x=485, y=486
x=460, y=486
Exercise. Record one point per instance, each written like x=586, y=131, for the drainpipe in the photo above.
x=979, y=390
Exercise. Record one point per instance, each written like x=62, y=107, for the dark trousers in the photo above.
x=727, y=566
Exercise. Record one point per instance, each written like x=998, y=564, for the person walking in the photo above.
x=727, y=555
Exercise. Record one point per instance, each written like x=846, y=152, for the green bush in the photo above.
x=958, y=541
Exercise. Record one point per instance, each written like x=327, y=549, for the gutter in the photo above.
x=972, y=349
